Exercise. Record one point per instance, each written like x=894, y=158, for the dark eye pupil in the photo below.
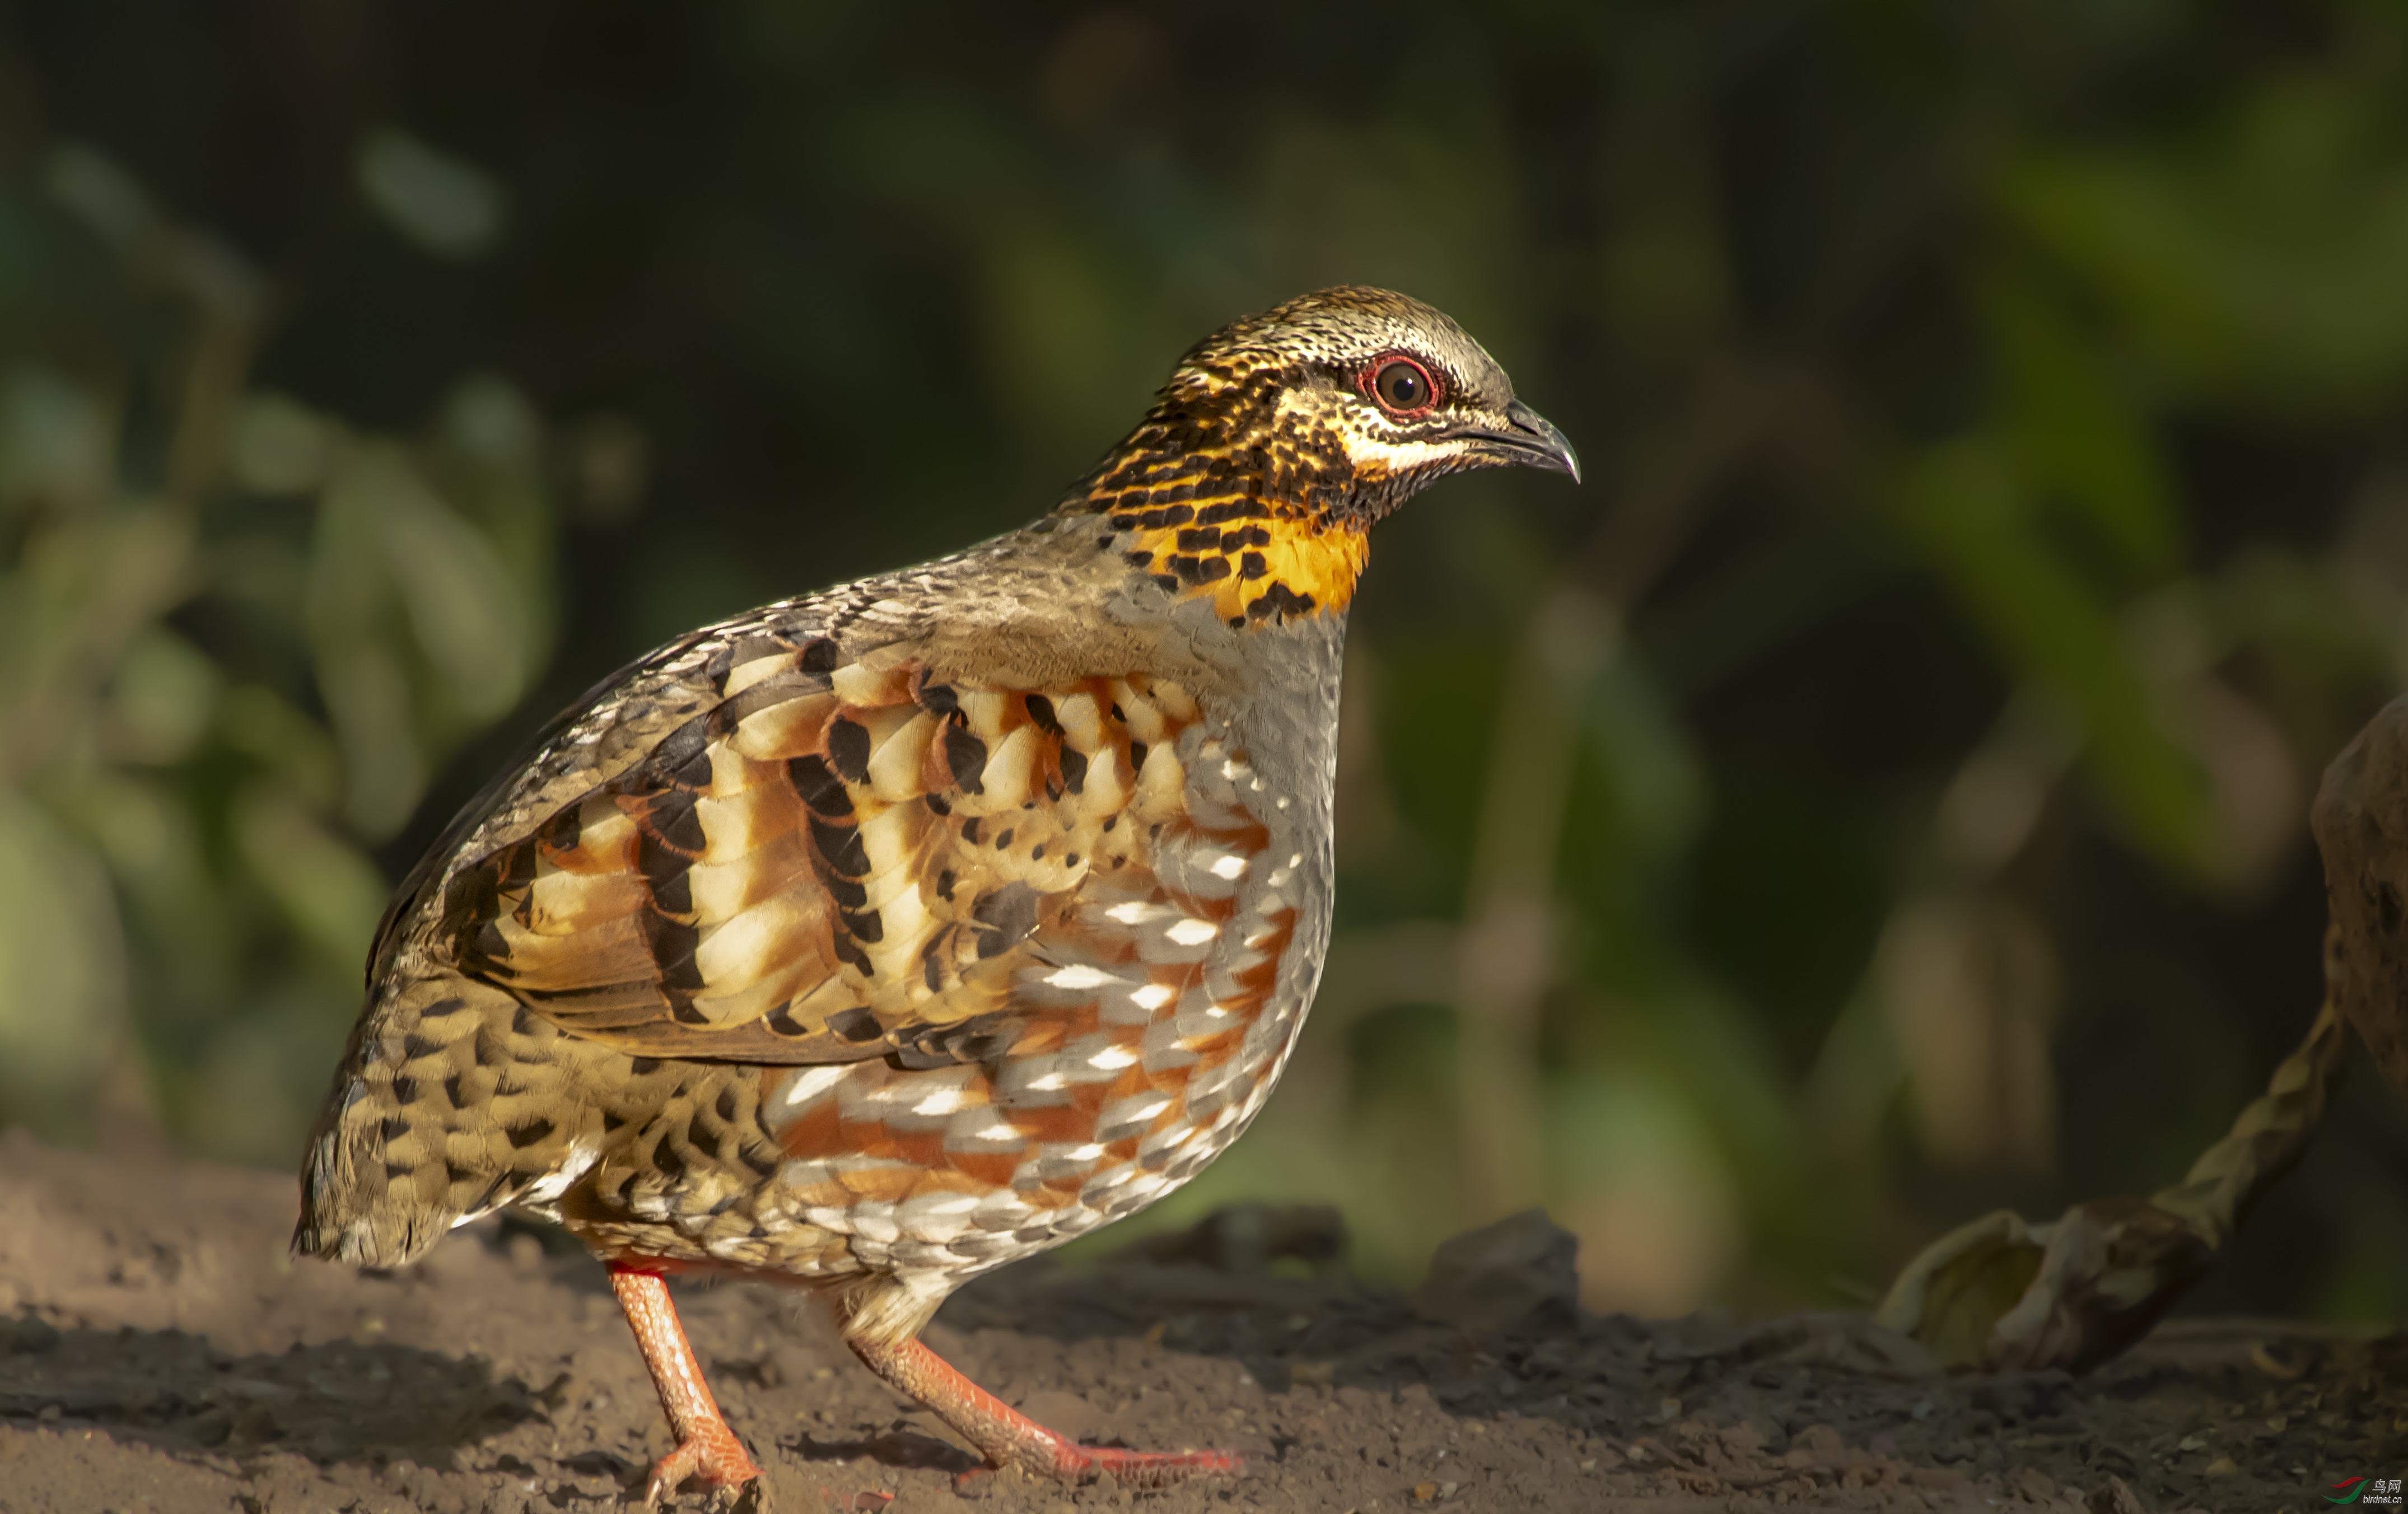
x=1402, y=387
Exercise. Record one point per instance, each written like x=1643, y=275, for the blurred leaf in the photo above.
x=367, y=697
x=172, y=900
x=397, y=579
x=1854, y=1078
x=463, y=605
x=62, y=978
x=449, y=208
x=258, y=723
x=161, y=699
x=1426, y=762
x=1651, y=774
x=1962, y=504
x=87, y=181
x=82, y=590
x=332, y=893
x=1708, y=1044
x=54, y=440
x=1969, y=985
x=2074, y=430
x=280, y=447
x=488, y=465
x=2264, y=258
x=1640, y=1180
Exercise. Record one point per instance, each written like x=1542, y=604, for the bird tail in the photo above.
x=433, y=1121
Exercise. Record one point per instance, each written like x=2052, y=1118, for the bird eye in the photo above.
x=1403, y=386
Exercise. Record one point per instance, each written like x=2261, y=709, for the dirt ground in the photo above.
x=158, y=1351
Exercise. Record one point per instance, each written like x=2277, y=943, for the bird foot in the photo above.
x=716, y=1459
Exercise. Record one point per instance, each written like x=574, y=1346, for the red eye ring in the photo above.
x=1400, y=385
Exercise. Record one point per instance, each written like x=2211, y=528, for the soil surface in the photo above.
x=160, y=1351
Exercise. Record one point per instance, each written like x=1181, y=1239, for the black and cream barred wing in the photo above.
x=824, y=859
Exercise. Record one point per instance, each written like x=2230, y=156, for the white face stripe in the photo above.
x=1370, y=454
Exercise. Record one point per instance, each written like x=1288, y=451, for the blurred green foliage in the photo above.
x=1877, y=795
x=241, y=635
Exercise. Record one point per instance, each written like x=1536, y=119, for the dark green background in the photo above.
x=1878, y=794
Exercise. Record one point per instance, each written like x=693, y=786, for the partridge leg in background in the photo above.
x=1007, y=1437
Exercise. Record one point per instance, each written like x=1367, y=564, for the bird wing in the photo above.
x=818, y=860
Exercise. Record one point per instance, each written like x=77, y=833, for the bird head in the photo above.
x=1282, y=437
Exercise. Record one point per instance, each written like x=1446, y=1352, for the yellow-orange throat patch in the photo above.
x=1254, y=559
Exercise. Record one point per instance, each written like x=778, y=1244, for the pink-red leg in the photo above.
x=706, y=1447
x=1007, y=1437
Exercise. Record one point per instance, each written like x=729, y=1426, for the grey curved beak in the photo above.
x=1534, y=442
